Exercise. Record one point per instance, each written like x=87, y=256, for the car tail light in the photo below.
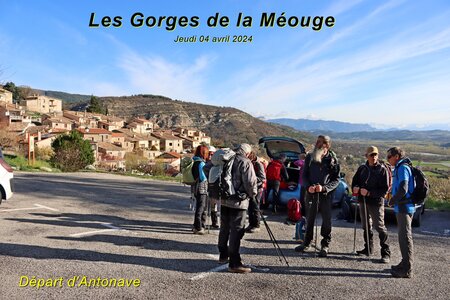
x=6, y=166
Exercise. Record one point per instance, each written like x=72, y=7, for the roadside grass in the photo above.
x=20, y=162
x=438, y=204
x=151, y=177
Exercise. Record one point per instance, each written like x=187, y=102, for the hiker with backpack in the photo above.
x=402, y=190
x=320, y=177
x=254, y=214
x=200, y=188
x=370, y=184
x=234, y=207
x=276, y=171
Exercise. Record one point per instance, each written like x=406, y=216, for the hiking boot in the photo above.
x=215, y=226
x=252, y=229
x=401, y=273
x=302, y=248
x=363, y=252
x=323, y=252
x=199, y=231
x=239, y=269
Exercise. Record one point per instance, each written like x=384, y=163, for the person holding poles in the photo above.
x=370, y=184
x=320, y=177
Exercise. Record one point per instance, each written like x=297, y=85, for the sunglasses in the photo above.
x=389, y=156
x=373, y=154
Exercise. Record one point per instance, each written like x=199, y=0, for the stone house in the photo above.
x=169, y=142
x=6, y=96
x=95, y=134
x=42, y=104
x=12, y=113
x=59, y=123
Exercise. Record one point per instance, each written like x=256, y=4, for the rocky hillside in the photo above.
x=225, y=125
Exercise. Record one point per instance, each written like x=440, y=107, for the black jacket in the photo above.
x=375, y=179
x=325, y=173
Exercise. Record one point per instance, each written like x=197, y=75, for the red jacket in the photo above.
x=276, y=171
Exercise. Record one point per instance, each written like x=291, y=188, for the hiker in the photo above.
x=276, y=171
x=371, y=183
x=233, y=210
x=212, y=198
x=402, y=188
x=254, y=215
x=300, y=163
x=200, y=188
x=320, y=177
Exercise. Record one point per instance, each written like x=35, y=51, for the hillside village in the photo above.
x=40, y=119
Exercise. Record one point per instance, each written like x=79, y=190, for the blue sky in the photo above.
x=384, y=62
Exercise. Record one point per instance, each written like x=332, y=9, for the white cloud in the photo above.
x=156, y=75
x=324, y=83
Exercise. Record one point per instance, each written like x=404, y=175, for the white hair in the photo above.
x=246, y=148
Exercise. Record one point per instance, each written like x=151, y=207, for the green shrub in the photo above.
x=72, y=153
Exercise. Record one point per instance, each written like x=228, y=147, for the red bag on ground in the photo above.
x=294, y=212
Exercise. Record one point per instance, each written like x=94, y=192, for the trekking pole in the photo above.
x=367, y=226
x=274, y=241
x=315, y=221
x=354, y=230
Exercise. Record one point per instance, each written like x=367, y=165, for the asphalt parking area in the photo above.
x=103, y=227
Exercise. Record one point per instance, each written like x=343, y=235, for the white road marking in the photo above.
x=222, y=267
x=110, y=226
x=207, y=273
x=46, y=207
x=37, y=206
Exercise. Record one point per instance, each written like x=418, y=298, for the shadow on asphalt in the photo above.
x=41, y=252
x=145, y=194
x=94, y=221
x=331, y=272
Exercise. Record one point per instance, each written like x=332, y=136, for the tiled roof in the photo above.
x=109, y=147
x=94, y=131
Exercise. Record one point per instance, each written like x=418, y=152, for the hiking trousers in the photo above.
x=254, y=216
x=232, y=229
x=405, y=240
x=200, y=211
x=275, y=186
x=375, y=219
x=325, y=210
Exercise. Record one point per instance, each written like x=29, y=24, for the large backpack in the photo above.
x=421, y=186
x=220, y=175
x=294, y=212
x=186, y=170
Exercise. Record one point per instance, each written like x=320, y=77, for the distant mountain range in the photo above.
x=229, y=125
x=315, y=125
x=352, y=131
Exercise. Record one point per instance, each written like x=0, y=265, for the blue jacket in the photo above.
x=402, y=177
x=199, y=163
